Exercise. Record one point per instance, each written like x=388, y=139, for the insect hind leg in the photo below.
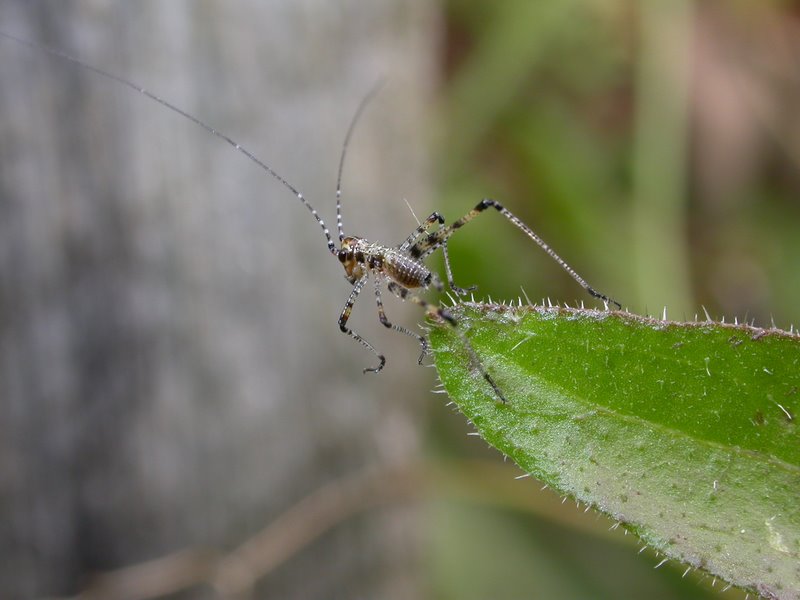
x=421, y=229
x=414, y=240
x=428, y=245
x=450, y=280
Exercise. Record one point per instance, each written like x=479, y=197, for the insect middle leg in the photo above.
x=423, y=341
x=345, y=316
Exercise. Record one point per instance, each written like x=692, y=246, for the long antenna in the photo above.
x=370, y=95
x=236, y=146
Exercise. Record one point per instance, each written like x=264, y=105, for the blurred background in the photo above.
x=180, y=416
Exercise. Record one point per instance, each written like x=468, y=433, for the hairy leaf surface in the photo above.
x=687, y=433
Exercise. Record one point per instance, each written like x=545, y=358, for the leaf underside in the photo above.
x=686, y=433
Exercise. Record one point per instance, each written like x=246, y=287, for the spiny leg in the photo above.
x=423, y=342
x=478, y=364
x=439, y=313
x=425, y=247
x=343, y=318
x=422, y=229
x=458, y=290
x=433, y=310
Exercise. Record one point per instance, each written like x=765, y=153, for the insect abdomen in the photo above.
x=405, y=270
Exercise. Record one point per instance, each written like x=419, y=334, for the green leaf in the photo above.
x=686, y=433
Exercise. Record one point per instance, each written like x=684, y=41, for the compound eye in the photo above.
x=342, y=255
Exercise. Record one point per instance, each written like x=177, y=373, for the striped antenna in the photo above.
x=236, y=146
x=366, y=100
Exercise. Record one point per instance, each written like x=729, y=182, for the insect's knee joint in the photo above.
x=487, y=203
x=462, y=291
x=447, y=317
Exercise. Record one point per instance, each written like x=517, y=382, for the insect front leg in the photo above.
x=345, y=316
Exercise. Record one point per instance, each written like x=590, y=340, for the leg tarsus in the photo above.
x=424, y=343
x=377, y=369
x=603, y=297
x=496, y=389
x=459, y=291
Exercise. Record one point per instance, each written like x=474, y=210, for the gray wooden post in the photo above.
x=171, y=371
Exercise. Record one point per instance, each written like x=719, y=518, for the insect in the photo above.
x=399, y=269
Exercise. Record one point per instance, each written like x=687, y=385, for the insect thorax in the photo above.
x=359, y=256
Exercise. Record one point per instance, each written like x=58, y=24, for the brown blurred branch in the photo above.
x=234, y=575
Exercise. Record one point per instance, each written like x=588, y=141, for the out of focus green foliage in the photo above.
x=656, y=147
